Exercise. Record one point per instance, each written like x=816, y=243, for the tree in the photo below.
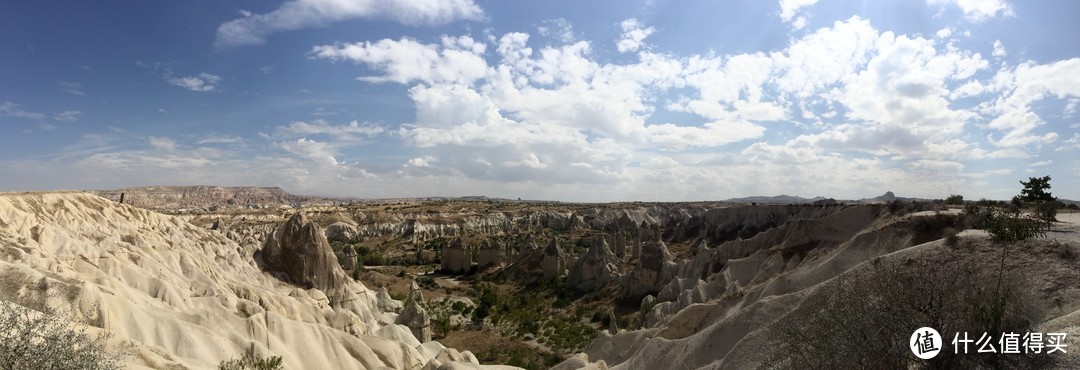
x=955, y=199
x=1035, y=193
x=1035, y=190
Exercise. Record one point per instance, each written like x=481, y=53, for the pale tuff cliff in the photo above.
x=175, y=295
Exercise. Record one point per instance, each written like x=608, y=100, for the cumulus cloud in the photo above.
x=633, y=35
x=201, y=82
x=252, y=29
x=979, y=10
x=789, y=9
x=558, y=115
x=455, y=59
x=316, y=151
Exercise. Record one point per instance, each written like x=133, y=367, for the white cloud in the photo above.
x=200, y=82
x=979, y=10
x=456, y=59
x=1024, y=86
x=162, y=143
x=252, y=29
x=9, y=109
x=789, y=8
x=999, y=49
x=68, y=116
x=219, y=139
x=633, y=35
x=558, y=29
x=319, y=152
x=73, y=88
x=321, y=127
x=1041, y=163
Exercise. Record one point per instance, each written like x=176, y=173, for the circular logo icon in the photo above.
x=925, y=343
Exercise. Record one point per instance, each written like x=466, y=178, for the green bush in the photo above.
x=36, y=340
x=1013, y=227
x=250, y=361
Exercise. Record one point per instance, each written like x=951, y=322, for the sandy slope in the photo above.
x=176, y=294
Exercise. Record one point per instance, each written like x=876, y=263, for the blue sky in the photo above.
x=565, y=100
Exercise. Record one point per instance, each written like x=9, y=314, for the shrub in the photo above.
x=1013, y=227
x=955, y=199
x=864, y=322
x=47, y=340
x=251, y=361
x=950, y=237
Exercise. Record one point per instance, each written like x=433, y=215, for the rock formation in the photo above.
x=456, y=258
x=386, y=303
x=299, y=250
x=653, y=271
x=414, y=316
x=348, y=258
x=175, y=295
x=594, y=269
x=554, y=261
x=489, y=255
x=620, y=245
x=342, y=232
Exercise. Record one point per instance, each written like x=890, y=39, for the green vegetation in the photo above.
x=251, y=361
x=955, y=199
x=35, y=340
x=1044, y=205
x=516, y=315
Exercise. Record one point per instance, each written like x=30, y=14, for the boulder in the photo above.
x=299, y=250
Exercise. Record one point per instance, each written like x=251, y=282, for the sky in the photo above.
x=606, y=100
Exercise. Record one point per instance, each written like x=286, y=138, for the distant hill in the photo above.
x=889, y=197
x=778, y=199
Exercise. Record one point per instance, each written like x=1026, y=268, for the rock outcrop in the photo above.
x=595, y=269
x=299, y=250
x=175, y=295
x=554, y=261
x=414, y=316
x=489, y=255
x=653, y=271
x=342, y=232
x=456, y=258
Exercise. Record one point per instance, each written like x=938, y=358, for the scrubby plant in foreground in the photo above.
x=251, y=361
x=864, y=321
x=35, y=340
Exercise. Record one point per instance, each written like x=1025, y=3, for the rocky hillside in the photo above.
x=175, y=295
x=187, y=197
x=722, y=307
